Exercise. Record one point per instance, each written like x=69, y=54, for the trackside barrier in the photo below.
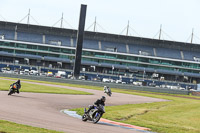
x=195, y=93
x=93, y=83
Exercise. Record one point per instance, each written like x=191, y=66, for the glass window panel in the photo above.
x=67, y=51
x=32, y=47
x=43, y=48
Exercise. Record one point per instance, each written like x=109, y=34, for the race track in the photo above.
x=43, y=110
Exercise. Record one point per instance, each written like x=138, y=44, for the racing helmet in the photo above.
x=18, y=81
x=103, y=98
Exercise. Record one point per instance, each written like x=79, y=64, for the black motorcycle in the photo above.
x=94, y=114
x=13, y=89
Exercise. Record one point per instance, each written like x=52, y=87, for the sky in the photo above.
x=177, y=17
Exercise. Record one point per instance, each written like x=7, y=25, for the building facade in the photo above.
x=102, y=53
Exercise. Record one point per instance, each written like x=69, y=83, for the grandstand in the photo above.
x=102, y=53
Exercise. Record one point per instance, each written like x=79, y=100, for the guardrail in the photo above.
x=101, y=84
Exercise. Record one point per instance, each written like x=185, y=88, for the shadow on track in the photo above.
x=19, y=96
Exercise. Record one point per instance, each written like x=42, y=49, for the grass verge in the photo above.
x=27, y=87
x=10, y=127
x=179, y=115
x=141, y=93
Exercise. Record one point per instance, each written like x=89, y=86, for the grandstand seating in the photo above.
x=169, y=72
x=192, y=74
x=105, y=45
x=90, y=44
x=29, y=37
x=135, y=49
x=8, y=34
x=6, y=53
x=105, y=64
x=137, y=68
x=65, y=41
x=168, y=53
x=29, y=56
x=149, y=70
x=119, y=66
x=84, y=62
x=190, y=55
x=57, y=59
x=114, y=47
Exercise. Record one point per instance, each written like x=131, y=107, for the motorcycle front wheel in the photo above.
x=84, y=117
x=10, y=92
x=97, y=117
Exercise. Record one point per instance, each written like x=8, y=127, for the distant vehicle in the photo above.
x=16, y=71
x=165, y=86
x=60, y=74
x=50, y=74
x=137, y=83
x=181, y=88
x=193, y=90
x=21, y=72
x=123, y=82
x=6, y=70
x=3, y=69
x=70, y=76
x=106, y=80
x=26, y=71
x=112, y=81
x=174, y=87
x=43, y=74
x=152, y=84
x=97, y=79
x=118, y=81
x=34, y=72
x=81, y=77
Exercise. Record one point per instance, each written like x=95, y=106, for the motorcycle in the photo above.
x=107, y=90
x=13, y=89
x=94, y=114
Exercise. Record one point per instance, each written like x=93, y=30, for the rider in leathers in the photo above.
x=18, y=84
x=98, y=102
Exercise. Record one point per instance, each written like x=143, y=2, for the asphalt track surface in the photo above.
x=43, y=110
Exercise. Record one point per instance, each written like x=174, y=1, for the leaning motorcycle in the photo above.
x=94, y=114
x=107, y=90
x=13, y=89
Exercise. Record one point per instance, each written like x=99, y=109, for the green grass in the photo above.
x=101, y=88
x=10, y=127
x=27, y=87
x=179, y=115
x=56, y=83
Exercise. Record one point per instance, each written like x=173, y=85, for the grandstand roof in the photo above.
x=99, y=36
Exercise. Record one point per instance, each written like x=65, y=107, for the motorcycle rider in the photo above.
x=107, y=90
x=18, y=85
x=98, y=102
